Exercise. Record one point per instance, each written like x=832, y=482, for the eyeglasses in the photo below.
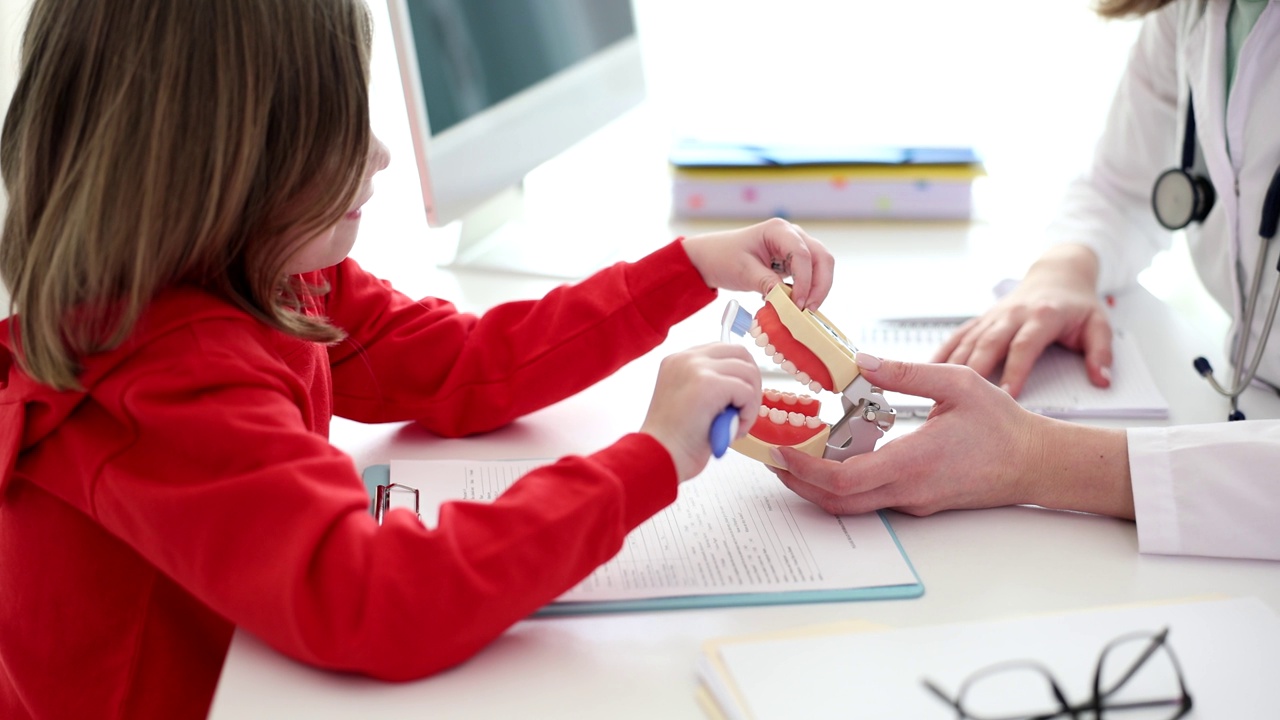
x=1137, y=676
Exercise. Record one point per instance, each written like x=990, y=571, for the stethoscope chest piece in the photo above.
x=1180, y=198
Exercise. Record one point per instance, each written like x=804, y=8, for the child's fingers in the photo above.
x=821, y=271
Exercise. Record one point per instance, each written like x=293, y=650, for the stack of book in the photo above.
x=716, y=180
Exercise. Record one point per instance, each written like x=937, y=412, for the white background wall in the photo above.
x=11, y=18
x=1026, y=83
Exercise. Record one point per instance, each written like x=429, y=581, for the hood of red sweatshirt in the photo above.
x=31, y=411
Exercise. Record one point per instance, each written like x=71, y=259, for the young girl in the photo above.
x=185, y=181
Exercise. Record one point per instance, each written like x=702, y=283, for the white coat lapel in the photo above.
x=1206, y=53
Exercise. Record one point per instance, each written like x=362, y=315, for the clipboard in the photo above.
x=382, y=491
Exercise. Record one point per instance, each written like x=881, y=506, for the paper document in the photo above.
x=1058, y=385
x=735, y=535
x=1227, y=649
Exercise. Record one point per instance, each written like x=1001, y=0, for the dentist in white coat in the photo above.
x=1194, y=490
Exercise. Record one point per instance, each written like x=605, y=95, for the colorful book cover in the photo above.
x=734, y=181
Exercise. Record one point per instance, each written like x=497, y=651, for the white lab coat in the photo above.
x=1202, y=489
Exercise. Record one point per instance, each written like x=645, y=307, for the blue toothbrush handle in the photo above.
x=723, y=430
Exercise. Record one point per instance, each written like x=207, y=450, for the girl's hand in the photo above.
x=763, y=255
x=693, y=387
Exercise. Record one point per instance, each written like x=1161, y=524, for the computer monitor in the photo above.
x=496, y=88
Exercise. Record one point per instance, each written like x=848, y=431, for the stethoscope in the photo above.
x=1184, y=195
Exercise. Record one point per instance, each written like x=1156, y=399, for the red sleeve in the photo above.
x=224, y=489
x=459, y=374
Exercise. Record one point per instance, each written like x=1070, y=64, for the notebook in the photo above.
x=734, y=536
x=1226, y=649
x=1058, y=385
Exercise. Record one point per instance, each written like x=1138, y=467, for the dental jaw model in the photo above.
x=819, y=356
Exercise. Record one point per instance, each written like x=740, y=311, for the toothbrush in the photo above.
x=724, y=428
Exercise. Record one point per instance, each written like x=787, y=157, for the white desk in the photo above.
x=974, y=564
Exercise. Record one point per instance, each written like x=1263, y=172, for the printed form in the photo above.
x=734, y=529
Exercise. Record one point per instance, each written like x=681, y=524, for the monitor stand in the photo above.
x=499, y=237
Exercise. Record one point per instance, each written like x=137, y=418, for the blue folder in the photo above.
x=691, y=153
x=376, y=475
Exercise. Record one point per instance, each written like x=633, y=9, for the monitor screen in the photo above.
x=496, y=88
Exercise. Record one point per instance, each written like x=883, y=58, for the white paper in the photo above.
x=734, y=529
x=1229, y=651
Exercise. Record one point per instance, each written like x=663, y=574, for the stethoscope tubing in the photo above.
x=1243, y=376
x=1266, y=232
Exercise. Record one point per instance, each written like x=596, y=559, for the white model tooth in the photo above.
x=814, y=386
x=805, y=400
x=803, y=377
x=755, y=330
x=790, y=367
x=789, y=398
x=762, y=339
x=763, y=412
x=812, y=422
x=772, y=395
x=779, y=358
x=795, y=419
x=777, y=416
x=769, y=349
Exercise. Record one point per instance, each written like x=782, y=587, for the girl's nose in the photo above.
x=379, y=157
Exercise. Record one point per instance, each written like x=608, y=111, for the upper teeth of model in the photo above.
x=762, y=340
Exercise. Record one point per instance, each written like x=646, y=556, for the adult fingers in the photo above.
x=943, y=353
x=1025, y=348
x=934, y=381
x=835, y=487
x=1097, y=349
x=856, y=504
x=992, y=347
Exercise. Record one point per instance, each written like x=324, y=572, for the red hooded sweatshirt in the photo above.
x=190, y=488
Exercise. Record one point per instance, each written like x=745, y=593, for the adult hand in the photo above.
x=693, y=387
x=1056, y=302
x=763, y=255
x=978, y=448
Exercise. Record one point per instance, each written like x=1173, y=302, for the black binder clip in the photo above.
x=382, y=501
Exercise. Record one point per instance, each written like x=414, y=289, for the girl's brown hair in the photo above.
x=156, y=143
x=1116, y=9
